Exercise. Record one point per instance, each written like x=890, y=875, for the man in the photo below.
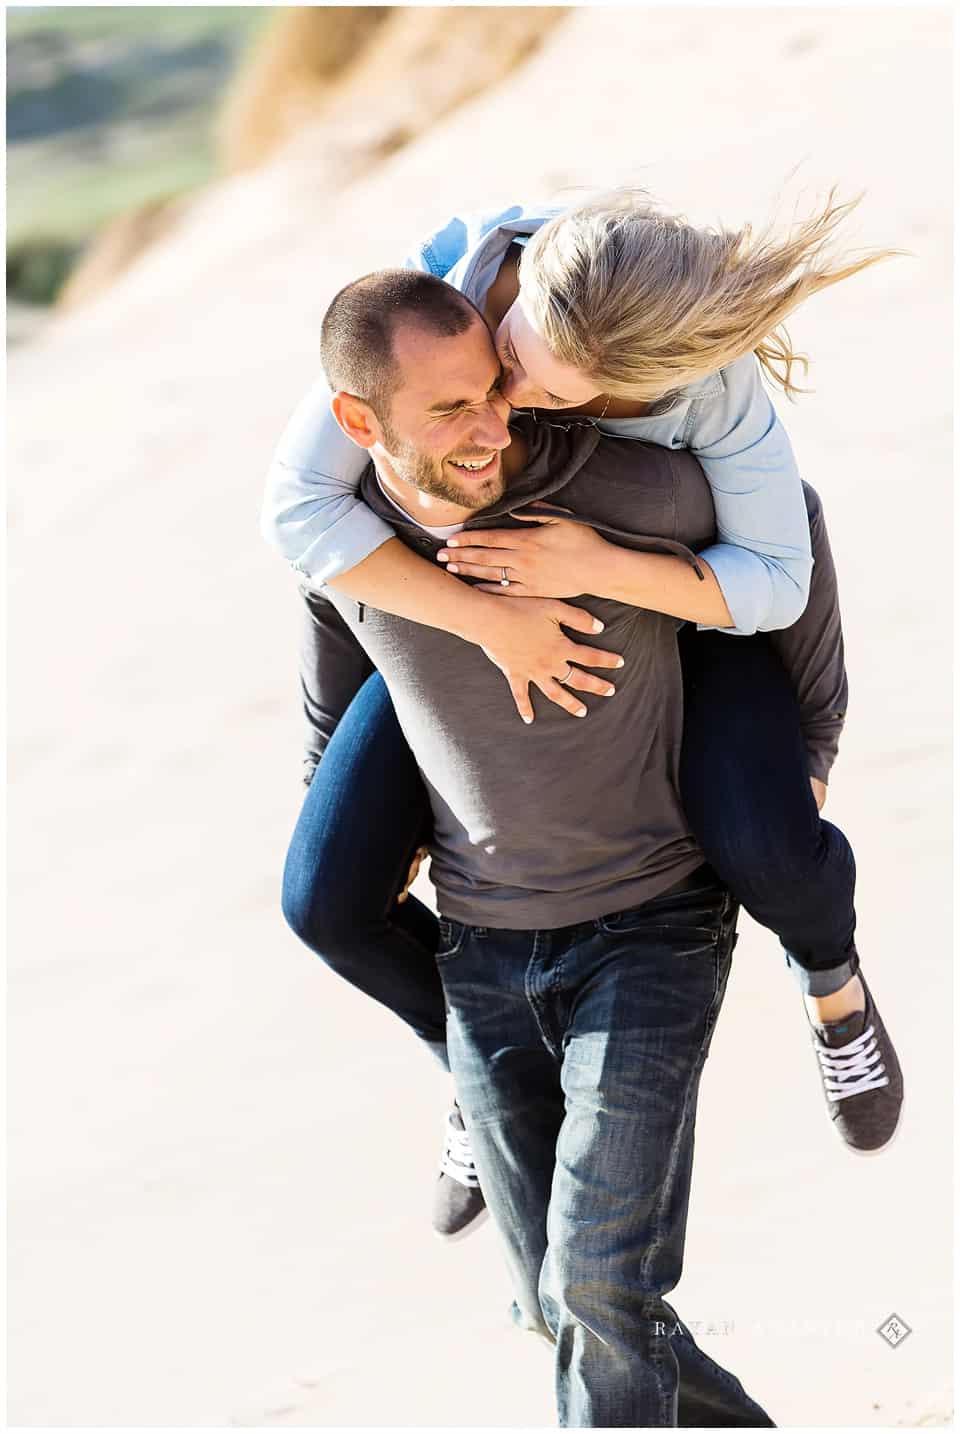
x=585, y=947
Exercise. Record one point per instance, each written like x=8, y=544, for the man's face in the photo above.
x=446, y=426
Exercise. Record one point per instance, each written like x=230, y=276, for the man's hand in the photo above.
x=418, y=859
x=558, y=558
x=819, y=792
x=525, y=639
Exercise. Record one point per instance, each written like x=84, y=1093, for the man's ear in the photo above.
x=356, y=418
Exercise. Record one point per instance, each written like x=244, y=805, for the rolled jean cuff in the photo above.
x=823, y=982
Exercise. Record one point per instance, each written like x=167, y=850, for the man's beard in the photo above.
x=430, y=476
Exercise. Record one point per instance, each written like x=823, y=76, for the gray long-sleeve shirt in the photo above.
x=560, y=821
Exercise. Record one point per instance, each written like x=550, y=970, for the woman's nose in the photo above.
x=512, y=386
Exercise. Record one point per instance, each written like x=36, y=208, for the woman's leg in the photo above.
x=365, y=813
x=745, y=785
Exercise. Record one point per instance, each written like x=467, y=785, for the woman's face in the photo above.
x=532, y=377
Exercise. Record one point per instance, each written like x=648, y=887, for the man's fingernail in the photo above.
x=452, y=568
x=597, y=625
x=619, y=661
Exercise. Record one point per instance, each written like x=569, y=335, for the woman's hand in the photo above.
x=819, y=792
x=555, y=559
x=524, y=637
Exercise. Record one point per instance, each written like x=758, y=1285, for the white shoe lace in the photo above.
x=851, y=1069
x=457, y=1160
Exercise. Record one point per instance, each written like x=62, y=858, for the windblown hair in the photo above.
x=645, y=303
x=356, y=337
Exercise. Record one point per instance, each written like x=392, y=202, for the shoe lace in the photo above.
x=853, y=1068
x=457, y=1159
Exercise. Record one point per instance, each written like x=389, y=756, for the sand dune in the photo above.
x=306, y=93
x=220, y=1157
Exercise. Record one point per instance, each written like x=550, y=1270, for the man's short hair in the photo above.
x=356, y=339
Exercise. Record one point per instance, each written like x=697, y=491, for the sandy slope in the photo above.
x=220, y=1157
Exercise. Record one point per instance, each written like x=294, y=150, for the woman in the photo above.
x=654, y=330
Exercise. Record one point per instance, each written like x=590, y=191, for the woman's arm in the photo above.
x=762, y=558
x=563, y=557
x=755, y=577
x=312, y=512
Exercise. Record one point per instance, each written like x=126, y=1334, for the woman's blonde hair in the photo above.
x=646, y=303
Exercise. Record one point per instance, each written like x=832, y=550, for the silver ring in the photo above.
x=504, y=580
x=567, y=675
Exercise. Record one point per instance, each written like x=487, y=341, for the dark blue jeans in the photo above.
x=577, y=1056
x=745, y=788
x=746, y=792
x=365, y=813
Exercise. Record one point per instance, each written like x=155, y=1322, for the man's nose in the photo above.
x=491, y=428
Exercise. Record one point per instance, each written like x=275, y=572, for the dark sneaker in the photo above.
x=861, y=1077
x=458, y=1203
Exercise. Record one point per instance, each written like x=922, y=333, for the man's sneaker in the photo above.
x=458, y=1203
x=861, y=1077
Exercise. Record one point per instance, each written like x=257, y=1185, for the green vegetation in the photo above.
x=107, y=107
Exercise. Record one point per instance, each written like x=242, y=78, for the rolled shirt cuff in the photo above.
x=342, y=546
x=760, y=594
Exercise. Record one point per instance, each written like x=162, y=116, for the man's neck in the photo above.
x=424, y=509
x=432, y=512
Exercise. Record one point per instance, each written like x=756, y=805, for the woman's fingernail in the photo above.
x=580, y=712
x=619, y=661
x=442, y=556
x=610, y=691
x=597, y=625
x=452, y=543
x=528, y=720
x=452, y=568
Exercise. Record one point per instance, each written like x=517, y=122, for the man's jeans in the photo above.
x=577, y=1056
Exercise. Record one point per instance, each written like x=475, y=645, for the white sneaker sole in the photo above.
x=474, y=1224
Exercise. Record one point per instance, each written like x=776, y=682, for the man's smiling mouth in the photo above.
x=476, y=467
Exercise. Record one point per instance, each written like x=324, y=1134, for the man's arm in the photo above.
x=812, y=652
x=333, y=668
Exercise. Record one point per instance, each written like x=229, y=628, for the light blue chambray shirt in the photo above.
x=762, y=560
